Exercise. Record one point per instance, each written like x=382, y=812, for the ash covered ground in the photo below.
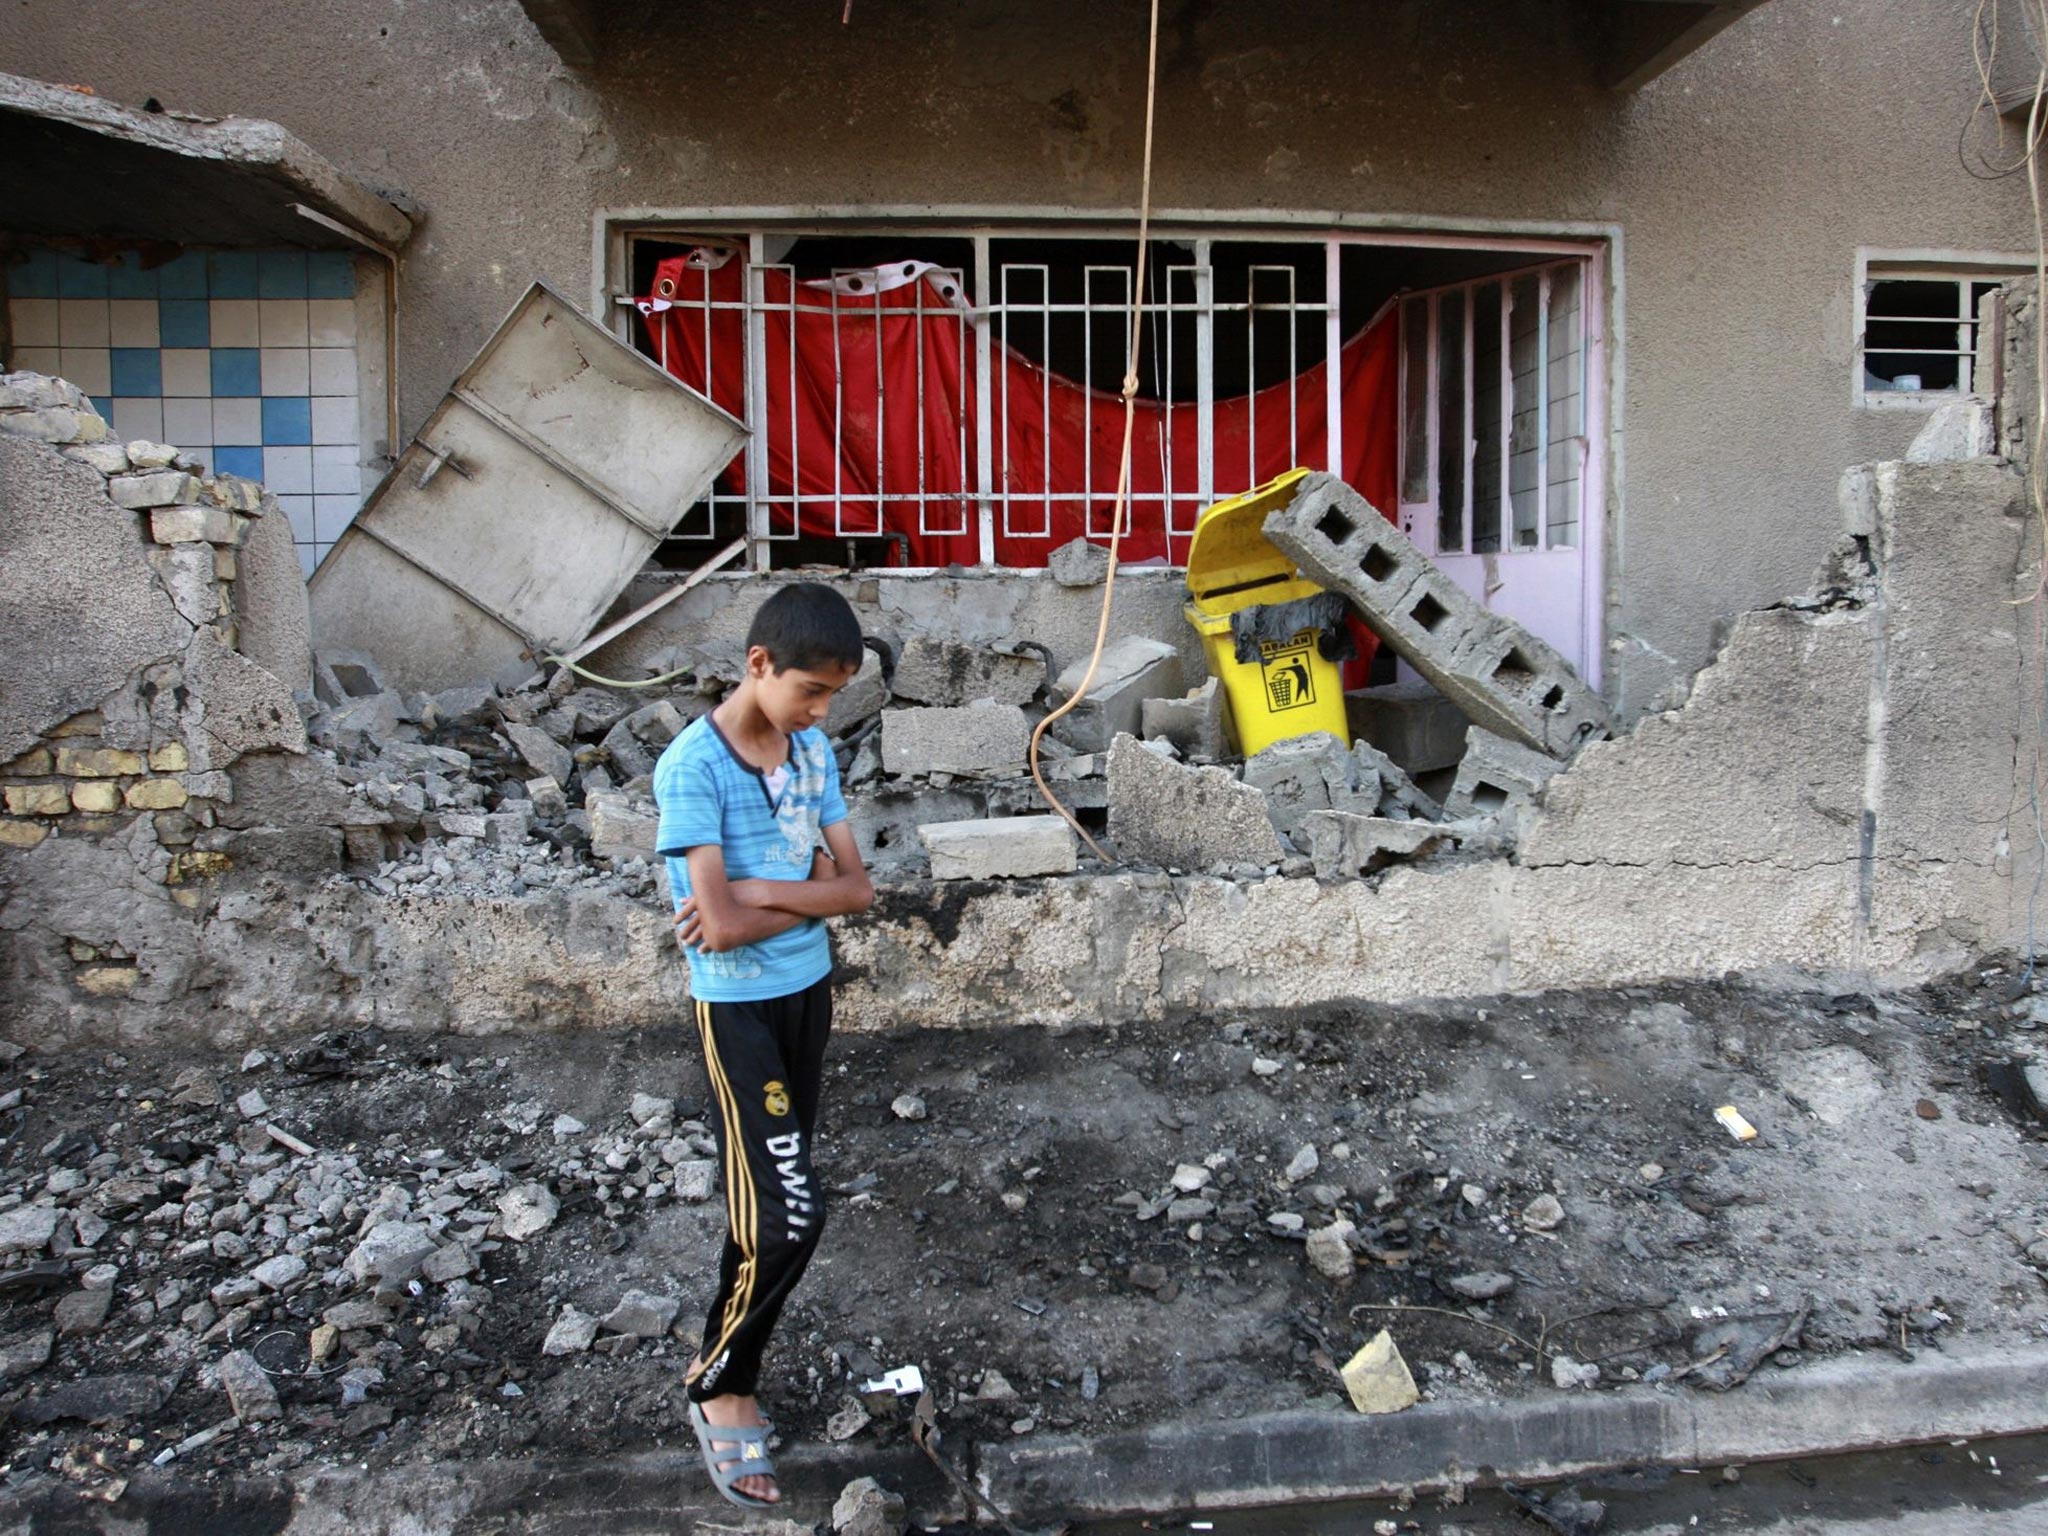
x=1067, y=1231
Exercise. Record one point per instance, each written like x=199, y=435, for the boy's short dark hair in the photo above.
x=808, y=626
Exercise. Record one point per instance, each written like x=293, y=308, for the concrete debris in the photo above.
x=642, y=1315
x=1015, y=847
x=1162, y=812
x=950, y=673
x=526, y=1211
x=1078, y=563
x=1497, y=673
x=1196, y=723
x=860, y=700
x=248, y=1387
x=1377, y=1377
x=1346, y=846
x=984, y=738
x=1411, y=723
x=1132, y=670
x=1495, y=776
x=573, y=1332
x=865, y=1508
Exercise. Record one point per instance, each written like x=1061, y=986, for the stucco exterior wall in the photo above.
x=1743, y=181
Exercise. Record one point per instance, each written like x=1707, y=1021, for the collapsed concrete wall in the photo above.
x=1846, y=792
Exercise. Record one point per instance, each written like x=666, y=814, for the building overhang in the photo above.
x=73, y=166
x=1634, y=41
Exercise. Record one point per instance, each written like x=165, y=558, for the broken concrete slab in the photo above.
x=1163, y=812
x=620, y=827
x=1496, y=672
x=1197, y=723
x=947, y=672
x=541, y=751
x=981, y=738
x=861, y=699
x=1015, y=847
x=1316, y=772
x=1411, y=723
x=1495, y=776
x=886, y=819
x=1132, y=670
x=1078, y=563
x=1346, y=846
x=273, y=626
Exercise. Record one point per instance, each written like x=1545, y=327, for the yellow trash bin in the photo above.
x=1291, y=689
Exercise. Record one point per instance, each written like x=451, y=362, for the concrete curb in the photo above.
x=1854, y=1403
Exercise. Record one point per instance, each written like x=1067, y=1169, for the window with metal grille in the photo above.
x=1917, y=332
x=939, y=397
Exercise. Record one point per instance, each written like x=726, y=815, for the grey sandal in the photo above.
x=732, y=1452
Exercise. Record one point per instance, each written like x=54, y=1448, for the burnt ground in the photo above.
x=1016, y=1243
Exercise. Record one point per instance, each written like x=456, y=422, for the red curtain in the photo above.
x=869, y=398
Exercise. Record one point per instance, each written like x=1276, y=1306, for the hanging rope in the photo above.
x=1123, y=472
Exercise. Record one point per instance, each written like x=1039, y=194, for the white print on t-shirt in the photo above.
x=798, y=804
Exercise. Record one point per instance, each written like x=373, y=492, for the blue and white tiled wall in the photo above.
x=244, y=359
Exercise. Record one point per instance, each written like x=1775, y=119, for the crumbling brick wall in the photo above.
x=153, y=654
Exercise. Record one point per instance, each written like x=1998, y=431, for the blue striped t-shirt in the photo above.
x=706, y=793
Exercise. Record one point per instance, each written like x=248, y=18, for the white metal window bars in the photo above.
x=1525, y=331
x=994, y=500
x=1493, y=374
x=1955, y=330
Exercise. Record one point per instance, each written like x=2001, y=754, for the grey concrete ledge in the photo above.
x=1856, y=1402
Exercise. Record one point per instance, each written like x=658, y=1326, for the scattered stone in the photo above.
x=83, y=1311
x=695, y=1180
x=391, y=1252
x=526, y=1211
x=360, y=1312
x=1264, y=1066
x=1485, y=1285
x=908, y=1106
x=1329, y=1250
x=572, y=1333
x=253, y=1105
x=1568, y=1373
x=1927, y=1109
x=275, y=1274
x=1304, y=1162
x=849, y=1421
x=646, y=1109
x=569, y=1125
x=27, y=1229
x=1543, y=1214
x=996, y=1388
x=642, y=1315
x=99, y=1399
x=865, y=1508
x=450, y=1262
x=1191, y=1177
x=1377, y=1377
x=249, y=1389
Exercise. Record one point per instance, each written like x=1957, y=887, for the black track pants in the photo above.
x=765, y=1061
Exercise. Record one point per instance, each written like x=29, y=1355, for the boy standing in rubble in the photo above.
x=744, y=795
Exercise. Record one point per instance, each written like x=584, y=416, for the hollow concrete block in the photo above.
x=1497, y=673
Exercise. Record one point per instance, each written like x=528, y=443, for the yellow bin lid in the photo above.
x=1229, y=560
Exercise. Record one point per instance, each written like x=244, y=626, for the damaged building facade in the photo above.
x=1576, y=361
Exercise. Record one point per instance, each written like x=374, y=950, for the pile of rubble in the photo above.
x=549, y=784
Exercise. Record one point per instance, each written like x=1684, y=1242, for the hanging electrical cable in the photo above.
x=1123, y=473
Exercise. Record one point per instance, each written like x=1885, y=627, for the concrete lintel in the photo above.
x=72, y=164
x=569, y=26
x=1644, y=40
